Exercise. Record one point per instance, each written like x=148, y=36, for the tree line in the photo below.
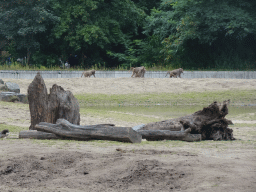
x=193, y=34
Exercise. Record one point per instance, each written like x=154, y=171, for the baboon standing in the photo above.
x=138, y=71
x=88, y=73
x=175, y=73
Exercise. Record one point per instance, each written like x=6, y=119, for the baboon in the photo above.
x=175, y=73
x=88, y=73
x=138, y=71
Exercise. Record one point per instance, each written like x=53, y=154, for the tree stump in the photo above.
x=48, y=108
x=209, y=122
x=38, y=102
x=62, y=104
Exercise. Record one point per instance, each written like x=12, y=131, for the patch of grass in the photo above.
x=147, y=114
x=192, y=98
x=11, y=128
x=105, y=113
x=242, y=125
x=14, y=105
x=163, y=105
x=248, y=115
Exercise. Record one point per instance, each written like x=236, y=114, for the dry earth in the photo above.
x=141, y=85
x=31, y=165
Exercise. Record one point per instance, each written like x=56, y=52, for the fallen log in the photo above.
x=156, y=135
x=66, y=130
x=209, y=122
x=34, y=134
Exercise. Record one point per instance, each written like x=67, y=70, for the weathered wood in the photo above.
x=65, y=129
x=34, y=134
x=209, y=122
x=38, y=103
x=156, y=135
x=62, y=104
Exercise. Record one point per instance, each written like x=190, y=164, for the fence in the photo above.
x=119, y=74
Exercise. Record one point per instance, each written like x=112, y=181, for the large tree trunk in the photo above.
x=59, y=103
x=66, y=130
x=209, y=122
x=38, y=102
x=62, y=104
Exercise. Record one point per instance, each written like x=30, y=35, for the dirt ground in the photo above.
x=32, y=165
x=140, y=85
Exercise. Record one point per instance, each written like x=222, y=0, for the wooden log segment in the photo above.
x=65, y=129
x=156, y=135
x=34, y=134
x=209, y=122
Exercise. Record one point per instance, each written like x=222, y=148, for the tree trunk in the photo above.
x=59, y=103
x=209, y=122
x=66, y=130
x=38, y=103
x=28, y=56
x=62, y=104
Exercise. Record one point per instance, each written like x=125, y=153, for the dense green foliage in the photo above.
x=193, y=34
x=22, y=22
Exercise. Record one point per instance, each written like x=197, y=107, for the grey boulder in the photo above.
x=12, y=96
x=12, y=87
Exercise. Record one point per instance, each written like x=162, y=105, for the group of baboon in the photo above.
x=139, y=72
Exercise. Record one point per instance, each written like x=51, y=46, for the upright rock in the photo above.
x=63, y=104
x=38, y=103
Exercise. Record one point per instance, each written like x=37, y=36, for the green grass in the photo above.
x=243, y=125
x=154, y=99
x=105, y=113
x=11, y=128
x=12, y=105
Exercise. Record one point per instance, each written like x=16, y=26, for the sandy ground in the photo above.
x=31, y=165
x=140, y=85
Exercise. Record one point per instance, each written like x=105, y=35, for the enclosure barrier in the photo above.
x=119, y=74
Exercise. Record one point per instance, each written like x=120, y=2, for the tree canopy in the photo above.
x=172, y=33
x=22, y=21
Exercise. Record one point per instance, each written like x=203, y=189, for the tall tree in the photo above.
x=99, y=29
x=22, y=20
x=193, y=30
